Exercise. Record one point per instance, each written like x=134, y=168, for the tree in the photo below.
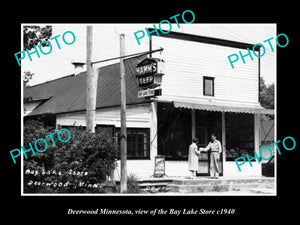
x=33, y=35
x=91, y=156
x=266, y=94
x=26, y=77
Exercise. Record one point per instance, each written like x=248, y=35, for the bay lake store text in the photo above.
x=199, y=94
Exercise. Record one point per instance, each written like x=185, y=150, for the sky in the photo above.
x=106, y=45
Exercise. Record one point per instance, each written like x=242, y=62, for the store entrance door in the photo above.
x=203, y=162
x=207, y=123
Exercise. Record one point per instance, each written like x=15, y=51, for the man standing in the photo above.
x=193, y=157
x=215, y=151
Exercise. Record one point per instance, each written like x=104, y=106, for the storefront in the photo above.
x=237, y=131
x=199, y=94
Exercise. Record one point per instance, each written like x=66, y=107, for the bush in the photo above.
x=133, y=184
x=80, y=165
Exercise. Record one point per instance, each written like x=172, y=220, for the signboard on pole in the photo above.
x=149, y=93
x=150, y=66
x=149, y=73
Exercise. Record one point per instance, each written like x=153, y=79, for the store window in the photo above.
x=208, y=86
x=239, y=135
x=174, y=131
x=138, y=142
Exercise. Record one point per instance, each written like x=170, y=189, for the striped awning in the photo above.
x=223, y=108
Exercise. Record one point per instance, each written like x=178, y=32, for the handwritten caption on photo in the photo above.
x=36, y=174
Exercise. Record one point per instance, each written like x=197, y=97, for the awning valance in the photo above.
x=222, y=108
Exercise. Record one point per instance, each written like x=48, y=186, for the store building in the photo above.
x=200, y=94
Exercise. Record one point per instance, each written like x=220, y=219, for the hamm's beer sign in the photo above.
x=149, y=73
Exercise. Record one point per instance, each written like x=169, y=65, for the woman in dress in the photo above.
x=193, y=158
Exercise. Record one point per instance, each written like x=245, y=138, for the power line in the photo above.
x=126, y=56
x=233, y=34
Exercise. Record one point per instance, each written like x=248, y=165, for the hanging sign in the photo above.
x=146, y=80
x=146, y=93
x=149, y=93
x=149, y=72
x=150, y=66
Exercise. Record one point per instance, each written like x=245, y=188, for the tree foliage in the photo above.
x=27, y=76
x=33, y=35
x=90, y=157
x=266, y=94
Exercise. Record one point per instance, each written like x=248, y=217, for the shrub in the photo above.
x=80, y=165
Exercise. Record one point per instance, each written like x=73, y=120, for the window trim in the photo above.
x=117, y=130
x=213, y=85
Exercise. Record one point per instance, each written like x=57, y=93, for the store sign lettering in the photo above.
x=149, y=93
x=146, y=69
x=146, y=93
x=149, y=74
x=143, y=81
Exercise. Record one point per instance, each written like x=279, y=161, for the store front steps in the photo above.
x=251, y=185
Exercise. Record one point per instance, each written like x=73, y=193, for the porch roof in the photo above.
x=220, y=106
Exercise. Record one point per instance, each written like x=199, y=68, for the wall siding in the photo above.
x=137, y=116
x=141, y=116
x=186, y=62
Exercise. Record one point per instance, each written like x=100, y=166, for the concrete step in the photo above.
x=223, y=181
x=154, y=184
x=217, y=188
x=220, y=185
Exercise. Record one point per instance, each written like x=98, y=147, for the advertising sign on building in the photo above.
x=149, y=73
x=149, y=93
x=150, y=66
x=159, y=166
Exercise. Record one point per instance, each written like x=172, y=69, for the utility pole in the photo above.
x=123, y=141
x=91, y=83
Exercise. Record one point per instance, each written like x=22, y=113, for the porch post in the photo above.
x=257, y=138
x=256, y=133
x=153, y=131
x=193, y=123
x=223, y=140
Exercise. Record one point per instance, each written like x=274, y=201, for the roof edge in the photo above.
x=83, y=110
x=204, y=39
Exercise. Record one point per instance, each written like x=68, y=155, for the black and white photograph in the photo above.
x=159, y=112
x=193, y=116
